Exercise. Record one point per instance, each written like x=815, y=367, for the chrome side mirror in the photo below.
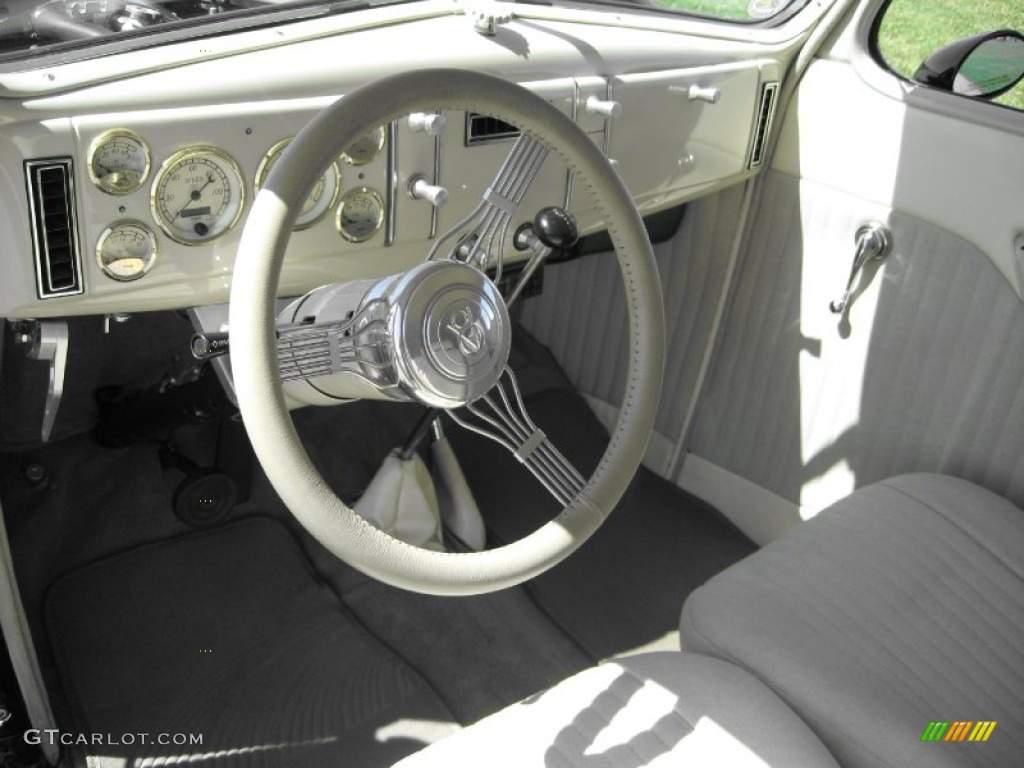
x=983, y=66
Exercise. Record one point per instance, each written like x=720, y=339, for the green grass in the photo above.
x=733, y=10
x=911, y=30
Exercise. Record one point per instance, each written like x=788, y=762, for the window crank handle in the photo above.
x=873, y=242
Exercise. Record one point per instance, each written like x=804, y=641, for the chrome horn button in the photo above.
x=450, y=332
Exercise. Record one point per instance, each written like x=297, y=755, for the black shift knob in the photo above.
x=556, y=228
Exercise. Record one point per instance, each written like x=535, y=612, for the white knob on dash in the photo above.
x=603, y=107
x=427, y=122
x=421, y=189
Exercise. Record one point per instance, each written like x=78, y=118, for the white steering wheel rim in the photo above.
x=254, y=360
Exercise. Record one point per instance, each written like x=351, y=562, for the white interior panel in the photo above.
x=699, y=141
x=964, y=175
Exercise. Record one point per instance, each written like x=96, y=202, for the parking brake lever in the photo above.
x=873, y=242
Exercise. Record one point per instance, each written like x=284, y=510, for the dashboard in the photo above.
x=152, y=173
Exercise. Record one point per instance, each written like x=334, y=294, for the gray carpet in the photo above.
x=622, y=589
x=228, y=635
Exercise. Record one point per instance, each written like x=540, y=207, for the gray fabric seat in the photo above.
x=656, y=709
x=901, y=605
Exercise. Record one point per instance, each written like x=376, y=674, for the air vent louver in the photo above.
x=764, y=123
x=51, y=200
x=484, y=128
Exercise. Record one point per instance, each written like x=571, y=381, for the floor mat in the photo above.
x=228, y=636
x=624, y=588
x=483, y=652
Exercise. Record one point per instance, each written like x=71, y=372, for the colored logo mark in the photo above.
x=958, y=730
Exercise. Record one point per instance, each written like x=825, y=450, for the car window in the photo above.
x=74, y=28
x=68, y=28
x=910, y=31
x=733, y=10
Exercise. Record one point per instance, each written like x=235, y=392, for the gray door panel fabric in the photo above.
x=653, y=709
x=591, y=341
x=921, y=374
x=898, y=606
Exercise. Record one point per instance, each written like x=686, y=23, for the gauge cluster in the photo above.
x=199, y=193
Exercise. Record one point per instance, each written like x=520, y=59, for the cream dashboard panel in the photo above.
x=670, y=145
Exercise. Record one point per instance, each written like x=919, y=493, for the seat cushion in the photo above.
x=656, y=709
x=901, y=605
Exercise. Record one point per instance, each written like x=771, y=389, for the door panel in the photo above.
x=923, y=372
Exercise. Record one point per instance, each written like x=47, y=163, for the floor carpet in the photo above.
x=624, y=588
x=228, y=636
x=136, y=597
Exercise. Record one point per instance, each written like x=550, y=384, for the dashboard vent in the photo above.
x=51, y=203
x=483, y=128
x=764, y=123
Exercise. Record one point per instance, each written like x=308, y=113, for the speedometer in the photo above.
x=198, y=195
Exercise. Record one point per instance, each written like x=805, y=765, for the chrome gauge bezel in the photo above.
x=376, y=148
x=236, y=183
x=154, y=249
x=331, y=176
x=105, y=138
x=356, y=191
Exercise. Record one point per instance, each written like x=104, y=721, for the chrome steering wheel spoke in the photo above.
x=356, y=346
x=501, y=416
x=480, y=238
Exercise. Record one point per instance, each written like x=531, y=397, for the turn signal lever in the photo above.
x=206, y=346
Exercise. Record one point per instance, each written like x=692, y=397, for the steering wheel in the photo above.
x=419, y=305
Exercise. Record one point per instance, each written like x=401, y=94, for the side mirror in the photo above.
x=983, y=66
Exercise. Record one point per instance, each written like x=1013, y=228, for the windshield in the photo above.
x=31, y=27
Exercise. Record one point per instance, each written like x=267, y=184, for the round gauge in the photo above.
x=360, y=214
x=365, y=148
x=198, y=195
x=119, y=162
x=320, y=200
x=126, y=250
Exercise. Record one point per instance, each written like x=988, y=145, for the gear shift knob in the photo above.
x=556, y=227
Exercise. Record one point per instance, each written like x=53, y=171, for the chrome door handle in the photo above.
x=873, y=241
